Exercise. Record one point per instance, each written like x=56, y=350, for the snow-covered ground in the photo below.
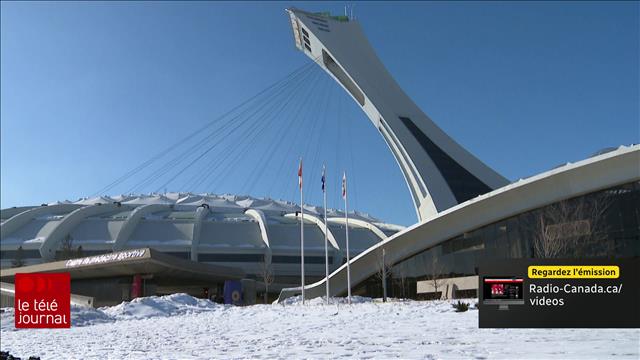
x=181, y=327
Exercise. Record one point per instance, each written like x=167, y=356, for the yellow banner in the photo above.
x=573, y=272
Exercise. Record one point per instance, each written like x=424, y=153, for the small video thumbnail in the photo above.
x=504, y=290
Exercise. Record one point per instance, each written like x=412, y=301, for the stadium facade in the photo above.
x=243, y=233
x=468, y=213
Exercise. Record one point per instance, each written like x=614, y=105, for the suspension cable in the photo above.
x=159, y=155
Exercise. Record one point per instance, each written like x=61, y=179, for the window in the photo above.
x=512, y=238
x=256, y=258
x=285, y=259
x=181, y=255
x=321, y=26
x=463, y=184
x=344, y=79
x=26, y=254
x=316, y=18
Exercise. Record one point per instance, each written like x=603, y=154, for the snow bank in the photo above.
x=181, y=304
x=6, y=319
x=84, y=316
x=140, y=308
x=155, y=306
x=297, y=301
x=182, y=327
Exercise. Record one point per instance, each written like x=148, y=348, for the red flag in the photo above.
x=300, y=174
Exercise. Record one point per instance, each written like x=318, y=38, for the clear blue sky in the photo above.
x=90, y=90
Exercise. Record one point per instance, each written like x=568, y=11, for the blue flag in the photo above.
x=323, y=178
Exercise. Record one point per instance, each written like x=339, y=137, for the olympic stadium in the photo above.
x=235, y=231
x=467, y=212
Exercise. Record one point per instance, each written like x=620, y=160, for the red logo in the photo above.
x=43, y=300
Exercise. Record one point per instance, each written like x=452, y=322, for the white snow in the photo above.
x=181, y=327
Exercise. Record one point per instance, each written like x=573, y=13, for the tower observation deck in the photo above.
x=439, y=172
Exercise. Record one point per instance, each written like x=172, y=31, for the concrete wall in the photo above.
x=448, y=286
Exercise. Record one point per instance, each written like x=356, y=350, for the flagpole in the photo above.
x=301, y=230
x=326, y=230
x=346, y=220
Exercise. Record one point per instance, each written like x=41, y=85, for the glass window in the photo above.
x=613, y=217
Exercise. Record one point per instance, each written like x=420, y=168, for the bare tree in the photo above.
x=384, y=270
x=597, y=243
x=574, y=226
x=18, y=260
x=400, y=275
x=267, y=278
x=66, y=248
x=435, y=271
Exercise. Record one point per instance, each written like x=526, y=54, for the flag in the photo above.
x=344, y=185
x=323, y=178
x=300, y=174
